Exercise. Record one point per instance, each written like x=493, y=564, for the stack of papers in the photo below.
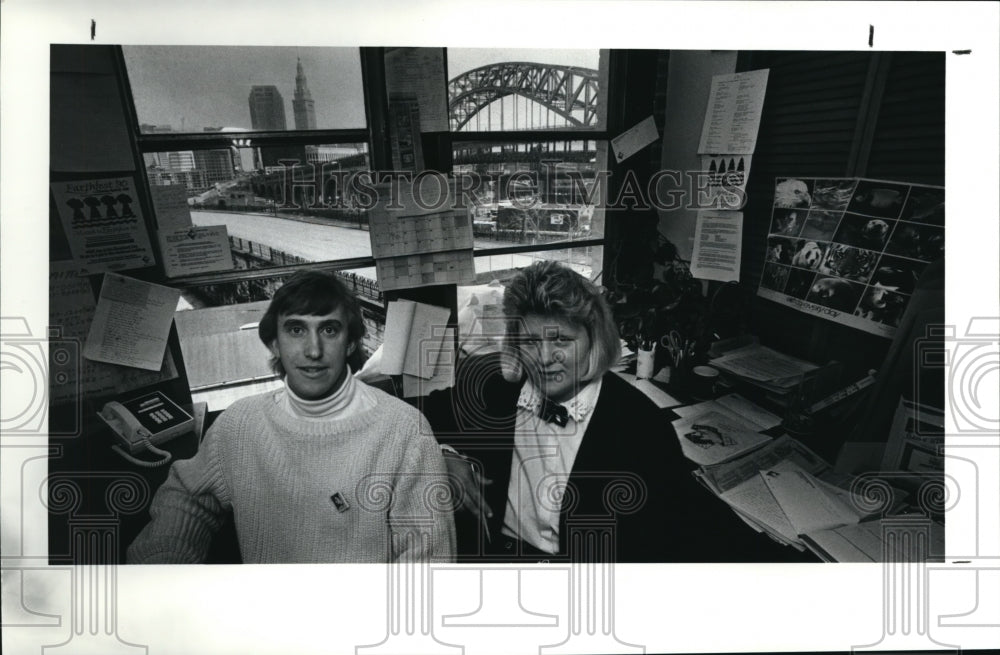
x=784, y=490
x=865, y=542
x=764, y=367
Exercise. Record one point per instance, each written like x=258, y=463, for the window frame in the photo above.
x=376, y=136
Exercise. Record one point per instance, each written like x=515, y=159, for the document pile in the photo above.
x=784, y=490
x=777, y=486
x=763, y=367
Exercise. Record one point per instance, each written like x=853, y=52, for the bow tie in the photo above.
x=553, y=413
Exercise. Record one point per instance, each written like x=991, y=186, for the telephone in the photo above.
x=143, y=423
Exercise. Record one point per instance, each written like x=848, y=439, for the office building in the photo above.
x=267, y=108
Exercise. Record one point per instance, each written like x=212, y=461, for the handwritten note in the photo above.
x=131, y=323
x=71, y=312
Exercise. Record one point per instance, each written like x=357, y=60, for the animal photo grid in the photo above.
x=850, y=250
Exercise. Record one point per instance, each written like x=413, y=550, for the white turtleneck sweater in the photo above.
x=355, y=477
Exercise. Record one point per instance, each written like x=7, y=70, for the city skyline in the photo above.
x=191, y=88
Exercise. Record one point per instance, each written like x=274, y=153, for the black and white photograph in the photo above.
x=875, y=198
x=916, y=241
x=373, y=327
x=835, y=293
x=897, y=273
x=775, y=276
x=808, y=254
x=788, y=222
x=924, y=205
x=833, y=194
x=847, y=262
x=780, y=249
x=864, y=231
x=882, y=305
x=821, y=224
x=793, y=193
x=799, y=283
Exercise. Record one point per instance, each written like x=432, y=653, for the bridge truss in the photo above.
x=568, y=91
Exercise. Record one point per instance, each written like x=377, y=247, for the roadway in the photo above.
x=319, y=242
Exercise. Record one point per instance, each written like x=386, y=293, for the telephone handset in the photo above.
x=143, y=423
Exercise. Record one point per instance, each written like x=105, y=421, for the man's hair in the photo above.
x=313, y=293
x=548, y=288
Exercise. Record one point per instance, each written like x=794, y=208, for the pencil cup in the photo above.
x=644, y=364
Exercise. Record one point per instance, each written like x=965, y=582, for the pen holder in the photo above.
x=644, y=363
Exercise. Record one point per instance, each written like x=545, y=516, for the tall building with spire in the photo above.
x=302, y=103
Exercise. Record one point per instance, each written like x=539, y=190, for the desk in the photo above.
x=95, y=491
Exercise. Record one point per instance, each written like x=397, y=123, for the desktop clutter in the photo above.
x=744, y=415
x=755, y=460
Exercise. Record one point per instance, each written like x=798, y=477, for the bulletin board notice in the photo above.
x=104, y=223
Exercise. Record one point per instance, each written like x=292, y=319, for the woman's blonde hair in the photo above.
x=548, y=288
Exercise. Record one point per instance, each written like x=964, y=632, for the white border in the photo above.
x=667, y=608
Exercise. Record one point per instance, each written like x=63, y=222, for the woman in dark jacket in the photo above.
x=552, y=456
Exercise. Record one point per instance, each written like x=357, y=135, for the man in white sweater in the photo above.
x=327, y=469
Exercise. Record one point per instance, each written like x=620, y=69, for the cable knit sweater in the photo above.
x=370, y=487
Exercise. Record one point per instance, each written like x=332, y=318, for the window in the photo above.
x=533, y=125
x=250, y=135
x=262, y=139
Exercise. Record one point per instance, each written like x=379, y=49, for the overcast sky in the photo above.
x=207, y=86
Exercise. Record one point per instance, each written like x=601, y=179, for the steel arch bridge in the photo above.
x=568, y=91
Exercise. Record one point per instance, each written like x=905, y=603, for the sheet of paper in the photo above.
x=404, y=134
x=447, y=267
x=170, y=206
x=758, y=362
x=103, y=223
x=755, y=499
x=806, y=504
x=195, y=250
x=733, y=115
x=752, y=412
x=718, y=238
x=712, y=437
x=634, y=139
x=398, y=318
x=426, y=340
x=724, y=181
x=863, y=542
x=725, y=476
x=444, y=372
x=131, y=323
x=71, y=312
x=88, y=132
x=419, y=73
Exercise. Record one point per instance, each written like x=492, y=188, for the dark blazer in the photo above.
x=629, y=481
